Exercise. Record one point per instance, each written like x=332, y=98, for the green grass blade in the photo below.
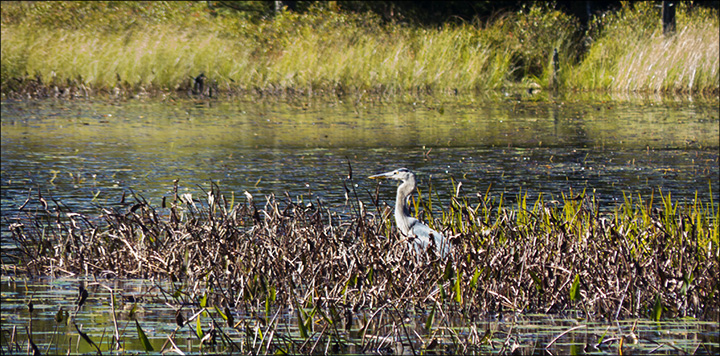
x=458, y=288
x=198, y=327
x=657, y=309
x=574, y=288
x=430, y=319
x=147, y=346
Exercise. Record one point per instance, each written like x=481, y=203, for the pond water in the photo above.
x=88, y=153
x=85, y=153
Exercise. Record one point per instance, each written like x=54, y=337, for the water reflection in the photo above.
x=88, y=153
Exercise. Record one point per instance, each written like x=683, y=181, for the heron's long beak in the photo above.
x=381, y=176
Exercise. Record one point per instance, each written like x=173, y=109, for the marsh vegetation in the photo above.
x=596, y=216
x=650, y=258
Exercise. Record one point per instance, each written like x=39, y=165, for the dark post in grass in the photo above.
x=668, y=17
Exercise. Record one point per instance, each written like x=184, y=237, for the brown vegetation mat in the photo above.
x=551, y=258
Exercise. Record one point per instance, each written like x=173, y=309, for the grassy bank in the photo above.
x=144, y=47
x=631, y=53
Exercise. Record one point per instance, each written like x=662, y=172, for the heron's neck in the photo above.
x=402, y=210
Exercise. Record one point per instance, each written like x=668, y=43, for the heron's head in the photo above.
x=401, y=174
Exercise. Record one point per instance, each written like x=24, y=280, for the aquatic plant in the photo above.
x=346, y=274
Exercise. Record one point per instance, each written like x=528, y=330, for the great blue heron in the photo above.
x=422, y=236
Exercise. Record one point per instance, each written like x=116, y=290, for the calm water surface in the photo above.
x=79, y=151
x=86, y=154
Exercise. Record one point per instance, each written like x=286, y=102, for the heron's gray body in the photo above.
x=422, y=235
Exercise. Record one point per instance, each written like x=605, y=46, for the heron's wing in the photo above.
x=423, y=235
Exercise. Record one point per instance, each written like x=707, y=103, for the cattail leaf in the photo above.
x=273, y=294
x=267, y=308
x=203, y=301
x=301, y=323
x=475, y=277
x=441, y=291
x=448, y=271
x=230, y=319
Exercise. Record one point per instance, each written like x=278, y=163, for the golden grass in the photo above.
x=328, y=51
x=687, y=61
x=631, y=54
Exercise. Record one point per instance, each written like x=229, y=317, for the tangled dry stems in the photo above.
x=286, y=254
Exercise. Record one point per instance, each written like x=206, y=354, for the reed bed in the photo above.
x=652, y=259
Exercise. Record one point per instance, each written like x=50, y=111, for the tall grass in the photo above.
x=158, y=56
x=162, y=46
x=314, y=52
x=631, y=53
x=687, y=62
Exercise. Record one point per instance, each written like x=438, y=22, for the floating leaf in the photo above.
x=131, y=312
x=82, y=296
x=36, y=351
x=86, y=337
x=59, y=316
x=179, y=319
